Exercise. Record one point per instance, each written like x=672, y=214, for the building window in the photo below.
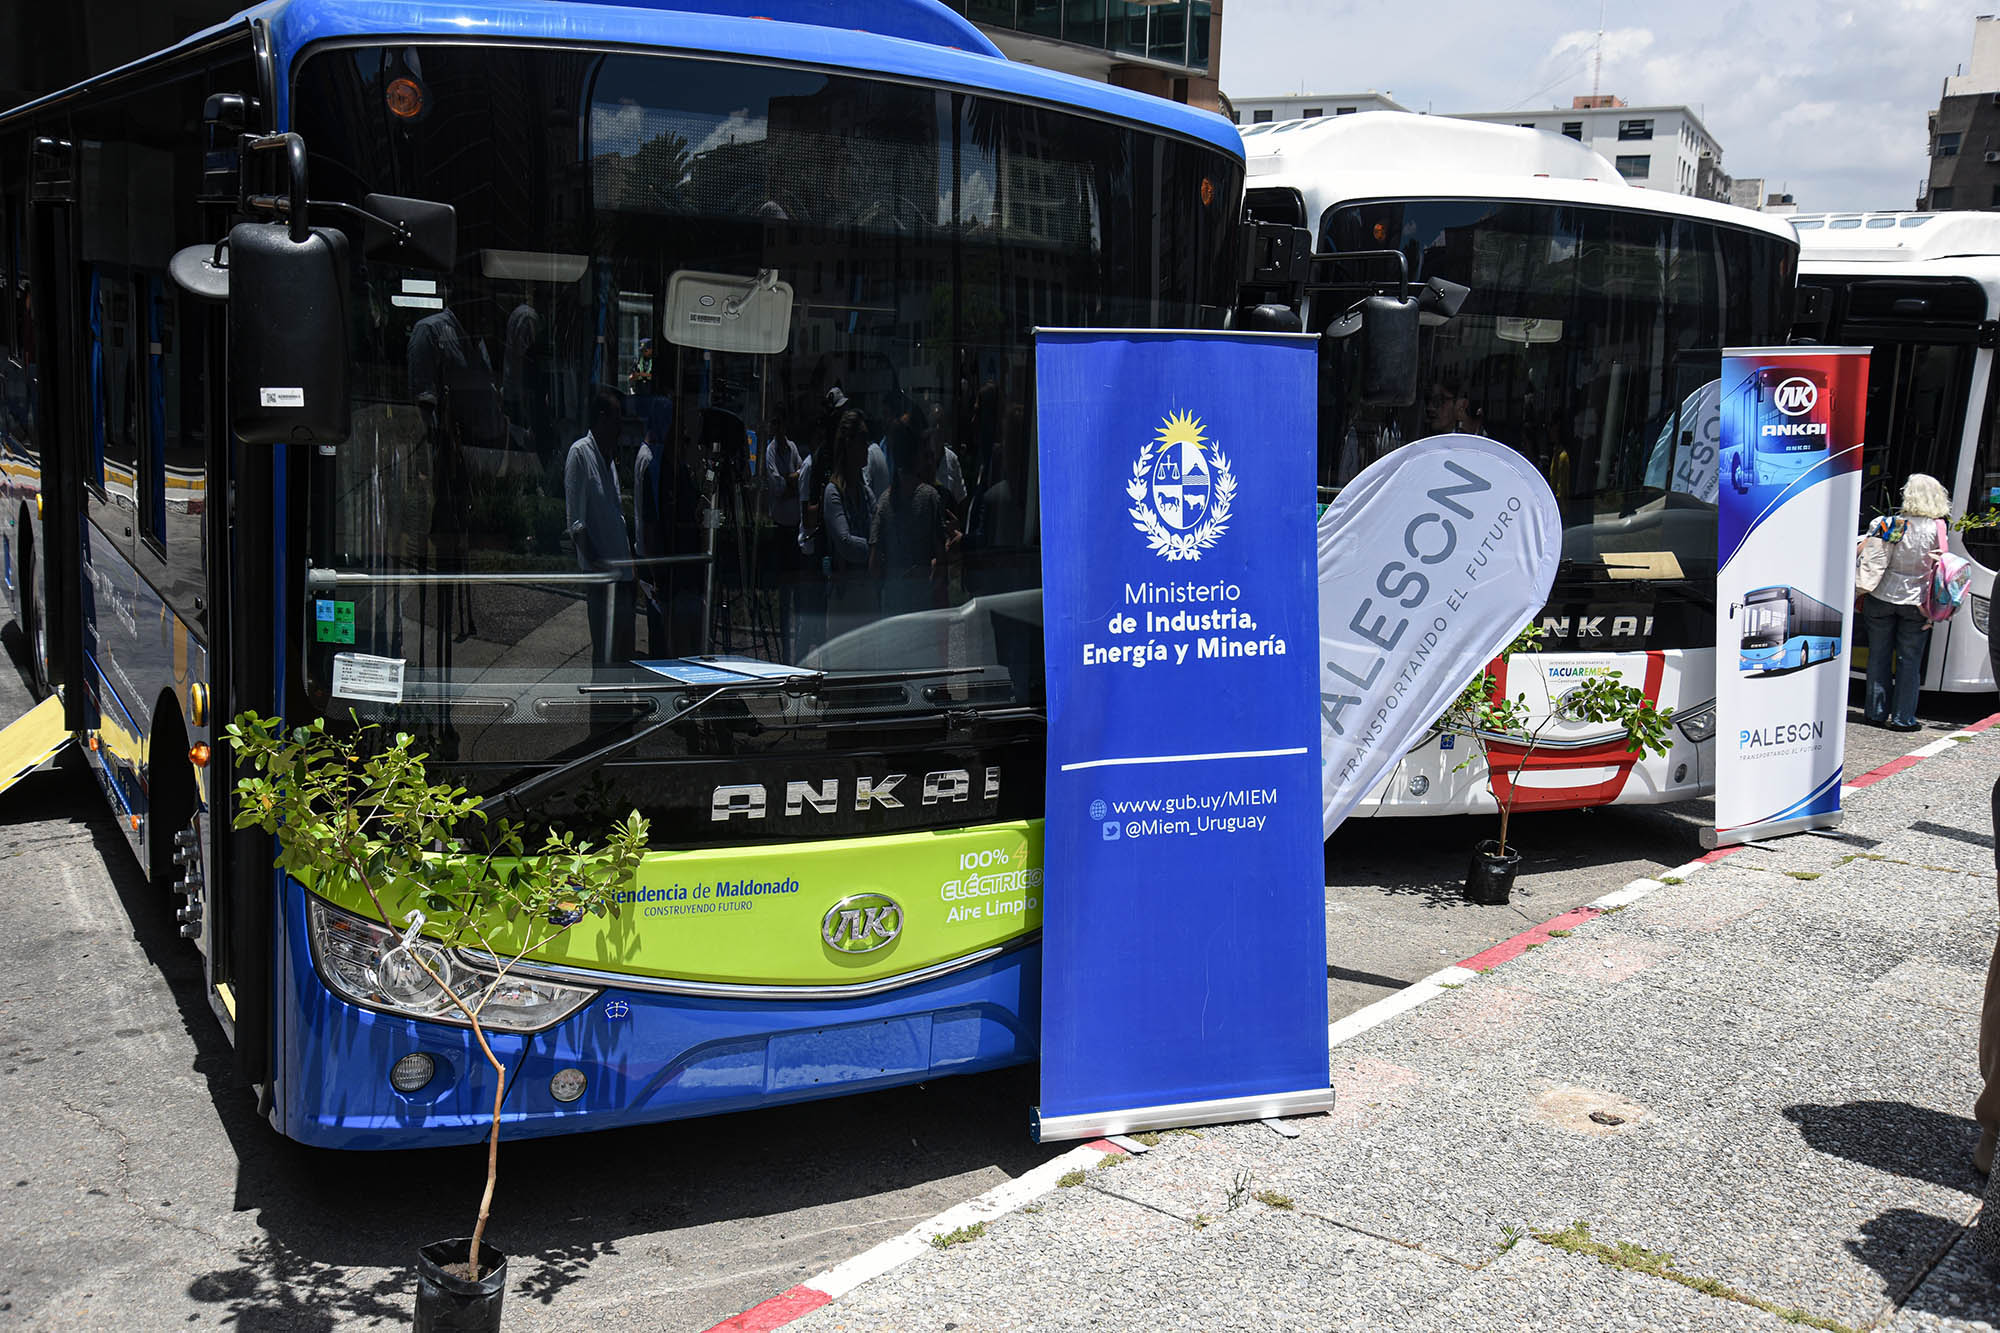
x=1635, y=168
x=1635, y=129
x=1947, y=145
x=1235, y=116
x=1312, y=111
x=1343, y=111
x=1260, y=118
x=1940, y=196
x=1573, y=129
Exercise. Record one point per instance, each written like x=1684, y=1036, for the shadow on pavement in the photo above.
x=1904, y=1245
x=1907, y=1140
x=331, y=1222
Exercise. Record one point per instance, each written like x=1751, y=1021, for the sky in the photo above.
x=1824, y=100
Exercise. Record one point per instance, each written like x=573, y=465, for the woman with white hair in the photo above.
x=1892, y=612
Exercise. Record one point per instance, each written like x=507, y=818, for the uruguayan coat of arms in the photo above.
x=1181, y=490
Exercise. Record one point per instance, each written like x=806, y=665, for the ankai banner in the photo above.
x=1430, y=562
x=1789, y=499
x=1184, y=911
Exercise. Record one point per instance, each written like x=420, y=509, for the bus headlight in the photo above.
x=1981, y=608
x=365, y=963
x=1697, y=724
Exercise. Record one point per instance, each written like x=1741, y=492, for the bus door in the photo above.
x=1927, y=363
x=56, y=582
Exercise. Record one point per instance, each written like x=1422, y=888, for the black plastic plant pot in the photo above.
x=447, y=1304
x=1489, y=879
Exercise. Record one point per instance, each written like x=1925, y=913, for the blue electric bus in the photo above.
x=1784, y=630
x=331, y=467
x=1782, y=424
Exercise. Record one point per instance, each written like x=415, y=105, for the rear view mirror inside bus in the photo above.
x=287, y=335
x=726, y=312
x=425, y=234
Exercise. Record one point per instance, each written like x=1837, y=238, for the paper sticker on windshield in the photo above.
x=269, y=397
x=359, y=676
x=750, y=666
x=684, y=672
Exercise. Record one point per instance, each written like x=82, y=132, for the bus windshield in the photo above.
x=735, y=361
x=1764, y=624
x=1588, y=343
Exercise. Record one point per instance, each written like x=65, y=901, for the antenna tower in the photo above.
x=1597, y=60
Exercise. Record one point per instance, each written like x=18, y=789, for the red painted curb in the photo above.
x=1508, y=950
x=780, y=1310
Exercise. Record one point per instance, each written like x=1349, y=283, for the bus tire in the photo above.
x=30, y=619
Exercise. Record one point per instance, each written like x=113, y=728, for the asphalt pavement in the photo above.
x=139, y=1188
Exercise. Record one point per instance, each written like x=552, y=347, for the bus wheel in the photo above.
x=174, y=851
x=34, y=638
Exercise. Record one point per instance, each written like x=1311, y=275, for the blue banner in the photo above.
x=1184, y=924
x=1789, y=484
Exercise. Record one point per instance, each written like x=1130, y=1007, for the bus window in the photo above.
x=1983, y=544
x=1916, y=415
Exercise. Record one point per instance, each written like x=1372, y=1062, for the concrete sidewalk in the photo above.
x=1740, y=1102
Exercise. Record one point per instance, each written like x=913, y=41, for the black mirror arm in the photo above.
x=293, y=204
x=401, y=230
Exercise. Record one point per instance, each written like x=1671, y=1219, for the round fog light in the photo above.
x=412, y=1072
x=1419, y=785
x=567, y=1085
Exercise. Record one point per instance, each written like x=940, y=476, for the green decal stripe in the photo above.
x=761, y=915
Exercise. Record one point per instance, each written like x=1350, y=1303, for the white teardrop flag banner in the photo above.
x=1430, y=562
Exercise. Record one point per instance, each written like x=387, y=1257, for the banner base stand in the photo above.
x=1172, y=1115
x=1777, y=828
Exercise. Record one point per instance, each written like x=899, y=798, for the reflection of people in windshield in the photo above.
x=451, y=379
x=911, y=531
x=524, y=389
x=597, y=527
x=641, y=379
x=847, y=511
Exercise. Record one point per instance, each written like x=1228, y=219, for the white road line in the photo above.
x=1004, y=1198
x=1639, y=888
x=1404, y=1000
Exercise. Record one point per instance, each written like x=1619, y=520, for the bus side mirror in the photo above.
x=1388, y=334
x=425, y=234
x=288, y=335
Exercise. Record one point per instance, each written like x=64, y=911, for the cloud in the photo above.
x=1827, y=98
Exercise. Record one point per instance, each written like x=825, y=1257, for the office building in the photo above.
x=1964, y=130
x=1168, y=49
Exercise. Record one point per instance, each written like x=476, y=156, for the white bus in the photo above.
x=1591, y=341
x=1923, y=290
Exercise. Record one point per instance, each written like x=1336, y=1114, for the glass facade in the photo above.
x=1175, y=33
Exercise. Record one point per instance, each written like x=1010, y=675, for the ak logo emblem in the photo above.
x=1181, y=490
x=862, y=923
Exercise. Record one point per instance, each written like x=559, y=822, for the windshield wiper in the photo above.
x=515, y=797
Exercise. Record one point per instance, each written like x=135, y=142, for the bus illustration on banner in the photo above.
x=1783, y=420
x=1785, y=630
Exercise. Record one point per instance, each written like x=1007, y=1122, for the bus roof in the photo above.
x=1882, y=238
x=915, y=39
x=1402, y=155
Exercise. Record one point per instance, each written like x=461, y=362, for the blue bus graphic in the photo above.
x=1785, y=630
x=1781, y=426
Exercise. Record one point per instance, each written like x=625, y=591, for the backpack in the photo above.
x=1944, y=589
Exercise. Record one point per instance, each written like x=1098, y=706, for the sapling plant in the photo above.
x=357, y=816
x=1483, y=713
